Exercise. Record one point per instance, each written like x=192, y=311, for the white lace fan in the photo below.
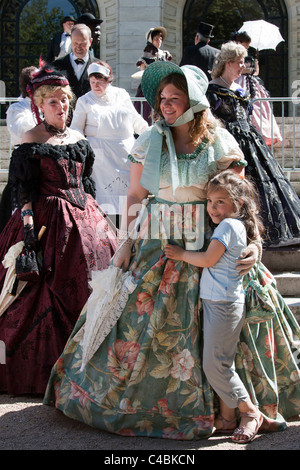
x=111, y=288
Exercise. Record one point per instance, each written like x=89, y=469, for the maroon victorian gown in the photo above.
x=77, y=240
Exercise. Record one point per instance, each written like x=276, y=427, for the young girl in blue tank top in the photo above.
x=232, y=205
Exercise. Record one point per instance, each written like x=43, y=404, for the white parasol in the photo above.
x=138, y=74
x=263, y=35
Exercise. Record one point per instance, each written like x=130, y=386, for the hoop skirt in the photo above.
x=146, y=377
x=280, y=205
x=77, y=240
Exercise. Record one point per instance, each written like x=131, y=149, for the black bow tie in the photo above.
x=79, y=61
x=67, y=34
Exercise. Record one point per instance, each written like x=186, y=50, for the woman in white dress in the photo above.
x=107, y=117
x=19, y=116
x=19, y=119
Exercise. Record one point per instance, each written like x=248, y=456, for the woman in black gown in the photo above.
x=280, y=204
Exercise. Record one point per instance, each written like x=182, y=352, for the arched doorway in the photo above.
x=26, y=27
x=228, y=17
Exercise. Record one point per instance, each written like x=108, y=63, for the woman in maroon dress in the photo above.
x=50, y=178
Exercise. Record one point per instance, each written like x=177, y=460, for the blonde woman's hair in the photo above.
x=230, y=51
x=202, y=125
x=44, y=91
x=240, y=189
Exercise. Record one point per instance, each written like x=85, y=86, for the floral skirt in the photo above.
x=146, y=377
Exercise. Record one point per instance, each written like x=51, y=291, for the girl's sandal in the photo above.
x=227, y=426
x=245, y=430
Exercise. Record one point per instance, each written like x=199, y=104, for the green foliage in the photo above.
x=37, y=25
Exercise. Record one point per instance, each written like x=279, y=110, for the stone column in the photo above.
x=293, y=8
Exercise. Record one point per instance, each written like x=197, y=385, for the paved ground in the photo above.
x=27, y=424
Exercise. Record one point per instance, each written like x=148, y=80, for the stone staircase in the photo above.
x=291, y=154
x=284, y=263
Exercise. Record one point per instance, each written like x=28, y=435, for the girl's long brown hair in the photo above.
x=240, y=189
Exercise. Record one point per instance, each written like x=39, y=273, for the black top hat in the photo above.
x=88, y=18
x=67, y=18
x=206, y=30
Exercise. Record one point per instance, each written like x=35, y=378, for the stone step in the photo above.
x=296, y=186
x=293, y=175
x=283, y=259
x=288, y=141
x=288, y=133
x=288, y=152
x=288, y=283
x=294, y=304
x=4, y=162
x=2, y=186
x=287, y=120
x=288, y=162
x=3, y=176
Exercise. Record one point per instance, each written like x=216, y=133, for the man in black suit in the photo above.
x=201, y=54
x=60, y=44
x=75, y=64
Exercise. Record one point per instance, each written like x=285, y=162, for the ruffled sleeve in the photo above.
x=24, y=175
x=225, y=152
x=194, y=169
x=140, y=147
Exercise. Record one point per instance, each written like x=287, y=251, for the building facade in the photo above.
x=125, y=23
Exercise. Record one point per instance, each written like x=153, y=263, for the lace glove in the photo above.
x=30, y=238
x=123, y=252
x=27, y=268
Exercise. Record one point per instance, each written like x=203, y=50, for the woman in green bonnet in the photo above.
x=145, y=377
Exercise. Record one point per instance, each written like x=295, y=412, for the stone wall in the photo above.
x=294, y=49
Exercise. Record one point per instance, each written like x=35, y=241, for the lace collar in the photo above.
x=196, y=152
x=105, y=98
